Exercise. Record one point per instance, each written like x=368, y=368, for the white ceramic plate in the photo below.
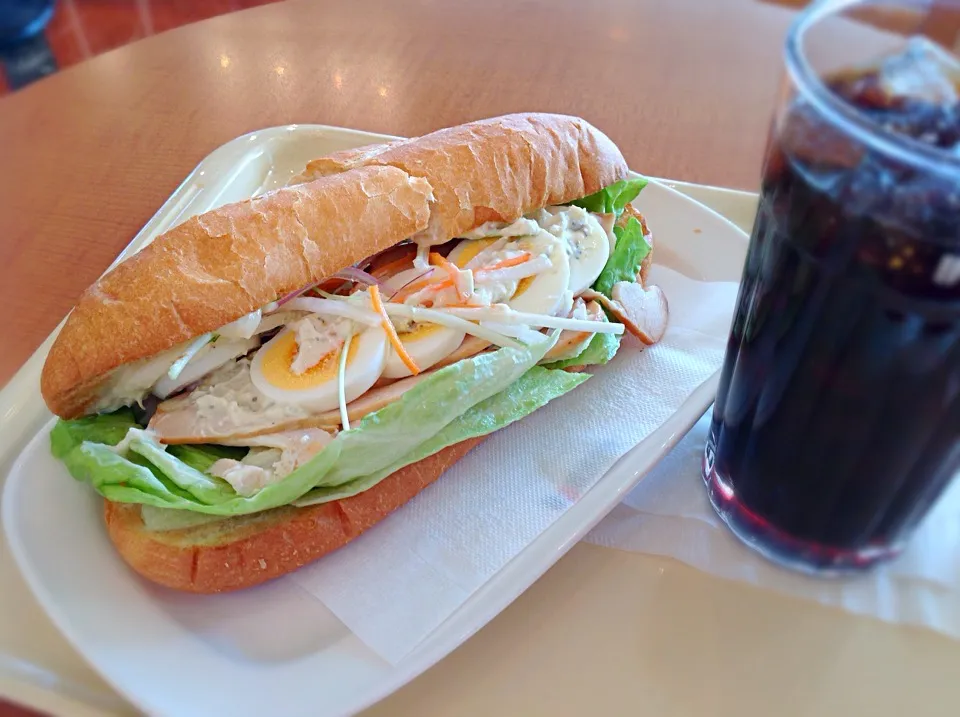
x=168, y=653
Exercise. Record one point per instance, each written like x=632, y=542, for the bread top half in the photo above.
x=219, y=266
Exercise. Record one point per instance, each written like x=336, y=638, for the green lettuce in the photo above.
x=107, y=428
x=528, y=393
x=203, y=456
x=143, y=471
x=534, y=389
x=614, y=198
x=427, y=407
x=624, y=262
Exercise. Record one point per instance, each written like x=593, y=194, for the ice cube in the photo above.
x=924, y=71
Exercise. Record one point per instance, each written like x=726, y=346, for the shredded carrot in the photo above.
x=444, y=263
x=452, y=270
x=392, y=331
x=440, y=285
x=506, y=263
x=417, y=286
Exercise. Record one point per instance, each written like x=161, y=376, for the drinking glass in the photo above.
x=837, y=418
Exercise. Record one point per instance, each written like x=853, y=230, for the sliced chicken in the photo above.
x=643, y=312
x=572, y=343
x=471, y=346
x=372, y=400
x=227, y=409
x=226, y=406
x=297, y=440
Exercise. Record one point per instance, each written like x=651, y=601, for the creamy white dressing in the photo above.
x=316, y=338
x=271, y=458
x=228, y=402
x=519, y=228
x=209, y=358
x=130, y=383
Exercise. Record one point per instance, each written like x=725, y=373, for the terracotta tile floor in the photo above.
x=80, y=29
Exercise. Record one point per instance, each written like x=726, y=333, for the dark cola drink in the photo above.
x=837, y=420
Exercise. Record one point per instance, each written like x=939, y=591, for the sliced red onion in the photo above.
x=292, y=295
x=352, y=273
x=425, y=274
x=334, y=307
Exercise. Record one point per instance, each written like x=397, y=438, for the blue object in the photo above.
x=23, y=19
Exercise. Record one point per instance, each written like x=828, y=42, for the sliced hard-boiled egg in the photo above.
x=546, y=292
x=543, y=293
x=426, y=343
x=586, y=240
x=467, y=249
x=316, y=388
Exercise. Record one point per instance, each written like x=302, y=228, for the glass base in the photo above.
x=781, y=548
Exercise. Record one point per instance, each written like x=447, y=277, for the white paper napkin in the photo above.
x=398, y=582
x=669, y=514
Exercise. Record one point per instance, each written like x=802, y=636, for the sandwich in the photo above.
x=267, y=380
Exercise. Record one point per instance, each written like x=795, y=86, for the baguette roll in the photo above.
x=230, y=262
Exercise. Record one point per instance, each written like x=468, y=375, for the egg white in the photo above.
x=427, y=344
x=467, y=249
x=587, y=245
x=393, y=284
x=547, y=292
x=316, y=389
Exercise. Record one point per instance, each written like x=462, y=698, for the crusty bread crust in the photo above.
x=494, y=170
x=219, y=266
x=249, y=550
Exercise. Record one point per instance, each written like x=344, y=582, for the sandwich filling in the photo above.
x=322, y=393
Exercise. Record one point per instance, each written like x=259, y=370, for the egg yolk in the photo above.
x=523, y=285
x=418, y=332
x=472, y=248
x=278, y=358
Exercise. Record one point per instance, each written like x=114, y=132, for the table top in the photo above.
x=685, y=88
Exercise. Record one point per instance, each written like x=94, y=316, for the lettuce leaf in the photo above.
x=151, y=475
x=203, y=456
x=524, y=396
x=107, y=428
x=602, y=348
x=614, y=198
x=426, y=408
x=528, y=393
x=625, y=260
